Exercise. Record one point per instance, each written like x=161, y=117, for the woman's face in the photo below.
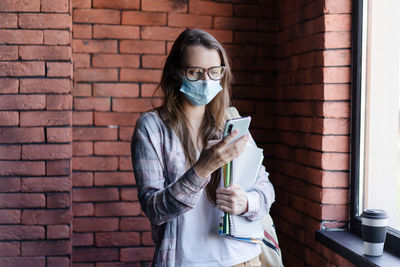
x=200, y=56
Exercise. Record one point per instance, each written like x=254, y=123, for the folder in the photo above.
x=243, y=171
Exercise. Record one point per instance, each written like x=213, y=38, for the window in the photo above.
x=375, y=165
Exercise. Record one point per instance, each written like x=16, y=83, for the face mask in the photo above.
x=200, y=92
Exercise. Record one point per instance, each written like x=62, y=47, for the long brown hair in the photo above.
x=214, y=116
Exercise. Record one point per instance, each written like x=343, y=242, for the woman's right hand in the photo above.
x=219, y=154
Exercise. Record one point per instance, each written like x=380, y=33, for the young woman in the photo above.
x=177, y=173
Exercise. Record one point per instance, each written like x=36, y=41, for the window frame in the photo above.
x=393, y=236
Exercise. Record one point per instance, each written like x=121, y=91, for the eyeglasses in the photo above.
x=196, y=73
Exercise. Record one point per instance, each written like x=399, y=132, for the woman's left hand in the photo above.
x=232, y=199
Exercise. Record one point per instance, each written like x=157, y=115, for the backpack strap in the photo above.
x=232, y=113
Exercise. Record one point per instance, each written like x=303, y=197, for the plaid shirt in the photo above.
x=167, y=188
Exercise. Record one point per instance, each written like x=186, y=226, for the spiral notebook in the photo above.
x=243, y=171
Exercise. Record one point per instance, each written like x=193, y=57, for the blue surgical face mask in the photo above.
x=200, y=92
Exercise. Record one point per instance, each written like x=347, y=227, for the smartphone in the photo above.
x=240, y=124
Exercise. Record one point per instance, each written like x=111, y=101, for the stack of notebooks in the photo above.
x=242, y=171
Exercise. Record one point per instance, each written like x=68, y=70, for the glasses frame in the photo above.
x=205, y=71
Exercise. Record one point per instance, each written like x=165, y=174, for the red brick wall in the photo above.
x=312, y=109
x=118, y=50
x=291, y=62
x=35, y=133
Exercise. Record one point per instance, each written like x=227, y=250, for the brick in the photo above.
x=260, y=38
x=47, y=184
x=82, y=179
x=9, y=118
x=335, y=179
x=46, y=248
x=58, y=231
x=45, y=52
x=83, y=209
x=81, y=3
x=58, y=167
x=140, y=75
x=95, y=194
x=92, y=103
x=134, y=105
x=21, y=135
x=149, y=89
x=336, y=22
x=337, y=40
x=335, y=161
x=81, y=61
x=137, y=254
x=59, y=135
x=117, y=209
x=10, y=152
x=8, y=52
x=337, y=6
x=114, y=60
x=45, y=118
x=144, y=18
x=54, y=6
x=337, y=75
x=156, y=62
x=82, y=31
x=94, y=134
x=135, y=224
x=21, y=36
x=22, y=200
x=44, y=85
x=22, y=102
x=59, y=69
x=46, y=216
x=243, y=10
x=115, y=32
x=15, y=232
x=95, y=163
x=56, y=37
x=96, y=74
x=210, y=8
x=96, y=16
x=10, y=184
x=9, y=86
x=139, y=46
x=335, y=196
x=58, y=200
x=336, y=126
x=112, y=148
x=9, y=249
x=336, y=109
x=113, y=178
x=189, y=20
x=116, y=89
x=44, y=21
x=21, y=68
x=164, y=5
x=117, y=239
x=21, y=168
x=10, y=216
x=59, y=102
x=125, y=164
x=125, y=133
x=338, y=57
x=160, y=33
x=117, y=4
x=233, y=23
x=82, y=240
x=95, y=224
x=115, y=118
x=335, y=212
x=82, y=89
x=58, y=262
x=82, y=148
x=80, y=118
x=129, y=194
x=95, y=254
x=94, y=46
x=20, y=6
x=23, y=261
x=146, y=239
